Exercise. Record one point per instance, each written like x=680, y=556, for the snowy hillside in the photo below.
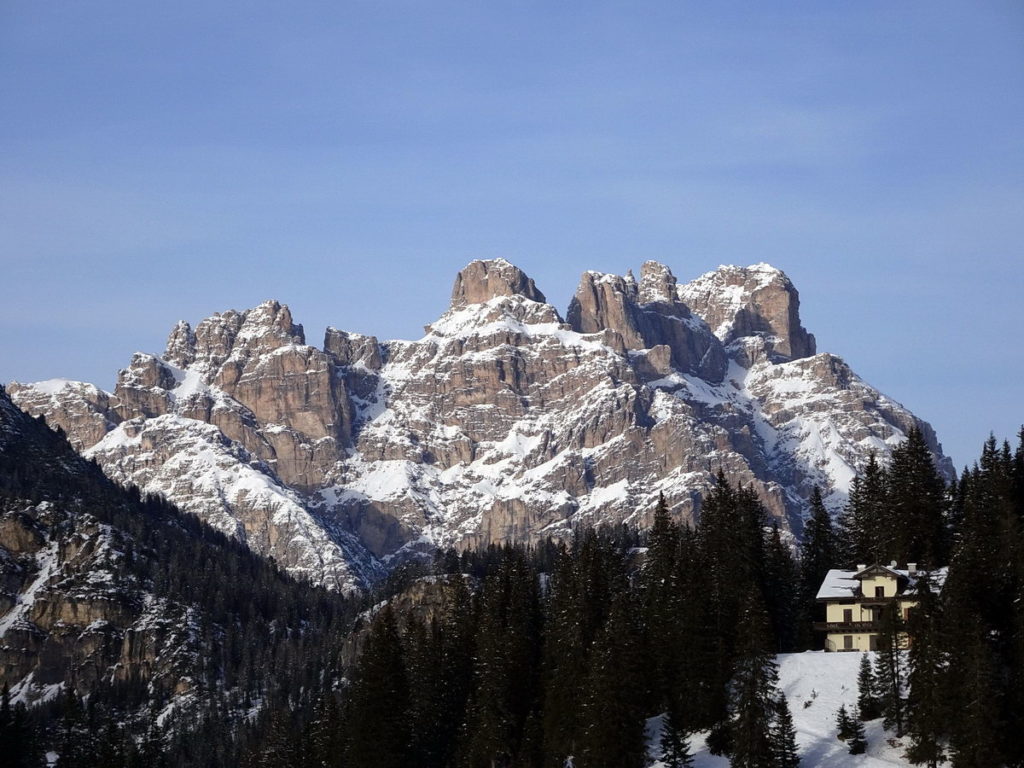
x=816, y=684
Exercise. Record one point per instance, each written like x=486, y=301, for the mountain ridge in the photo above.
x=505, y=421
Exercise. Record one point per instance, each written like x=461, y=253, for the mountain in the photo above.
x=504, y=422
x=102, y=589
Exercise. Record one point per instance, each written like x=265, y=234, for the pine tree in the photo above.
x=613, y=707
x=697, y=699
x=917, y=503
x=377, y=722
x=731, y=544
x=819, y=552
x=325, y=740
x=659, y=597
x=675, y=746
x=927, y=715
x=858, y=738
x=506, y=683
x=890, y=674
x=753, y=691
x=977, y=731
x=77, y=739
x=780, y=586
x=784, y=736
x=864, y=526
x=867, y=702
x=844, y=724
x=18, y=744
x=565, y=659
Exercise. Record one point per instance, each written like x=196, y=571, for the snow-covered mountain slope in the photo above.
x=72, y=608
x=505, y=421
x=815, y=684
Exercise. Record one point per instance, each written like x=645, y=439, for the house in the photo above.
x=854, y=600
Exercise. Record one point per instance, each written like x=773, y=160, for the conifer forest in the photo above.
x=557, y=654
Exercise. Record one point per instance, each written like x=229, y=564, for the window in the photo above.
x=879, y=591
x=873, y=643
x=847, y=642
x=847, y=615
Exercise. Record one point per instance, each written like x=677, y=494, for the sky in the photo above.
x=164, y=161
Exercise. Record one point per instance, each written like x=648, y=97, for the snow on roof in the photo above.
x=846, y=584
x=839, y=583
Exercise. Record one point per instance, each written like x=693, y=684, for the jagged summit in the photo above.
x=647, y=316
x=482, y=280
x=756, y=301
x=503, y=422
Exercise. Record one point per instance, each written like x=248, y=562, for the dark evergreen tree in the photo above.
x=506, y=684
x=325, y=739
x=784, y=736
x=780, y=587
x=377, y=720
x=77, y=737
x=753, y=692
x=890, y=670
x=858, y=740
x=977, y=735
x=916, y=505
x=818, y=549
x=565, y=662
x=697, y=692
x=864, y=526
x=19, y=745
x=819, y=552
x=927, y=713
x=659, y=600
x=844, y=724
x=867, y=700
x=613, y=708
x=675, y=744
x=731, y=543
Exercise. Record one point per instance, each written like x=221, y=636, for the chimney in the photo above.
x=892, y=564
x=912, y=568
x=861, y=566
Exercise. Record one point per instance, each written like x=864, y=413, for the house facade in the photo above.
x=854, y=601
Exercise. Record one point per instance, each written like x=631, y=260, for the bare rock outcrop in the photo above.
x=647, y=316
x=481, y=281
x=760, y=300
x=85, y=412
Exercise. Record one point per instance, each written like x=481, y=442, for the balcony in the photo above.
x=850, y=627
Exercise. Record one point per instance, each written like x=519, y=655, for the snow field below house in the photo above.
x=826, y=680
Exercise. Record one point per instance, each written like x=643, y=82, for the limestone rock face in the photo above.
x=481, y=281
x=82, y=410
x=648, y=316
x=503, y=422
x=751, y=301
x=66, y=604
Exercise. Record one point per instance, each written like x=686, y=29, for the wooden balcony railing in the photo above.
x=847, y=626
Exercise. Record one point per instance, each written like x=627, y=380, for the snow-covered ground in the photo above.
x=815, y=684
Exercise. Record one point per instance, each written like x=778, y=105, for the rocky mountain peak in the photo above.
x=647, y=317
x=271, y=321
x=181, y=345
x=657, y=284
x=759, y=300
x=479, y=281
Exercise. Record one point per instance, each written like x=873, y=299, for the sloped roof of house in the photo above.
x=839, y=584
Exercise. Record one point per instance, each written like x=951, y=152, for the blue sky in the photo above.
x=165, y=161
